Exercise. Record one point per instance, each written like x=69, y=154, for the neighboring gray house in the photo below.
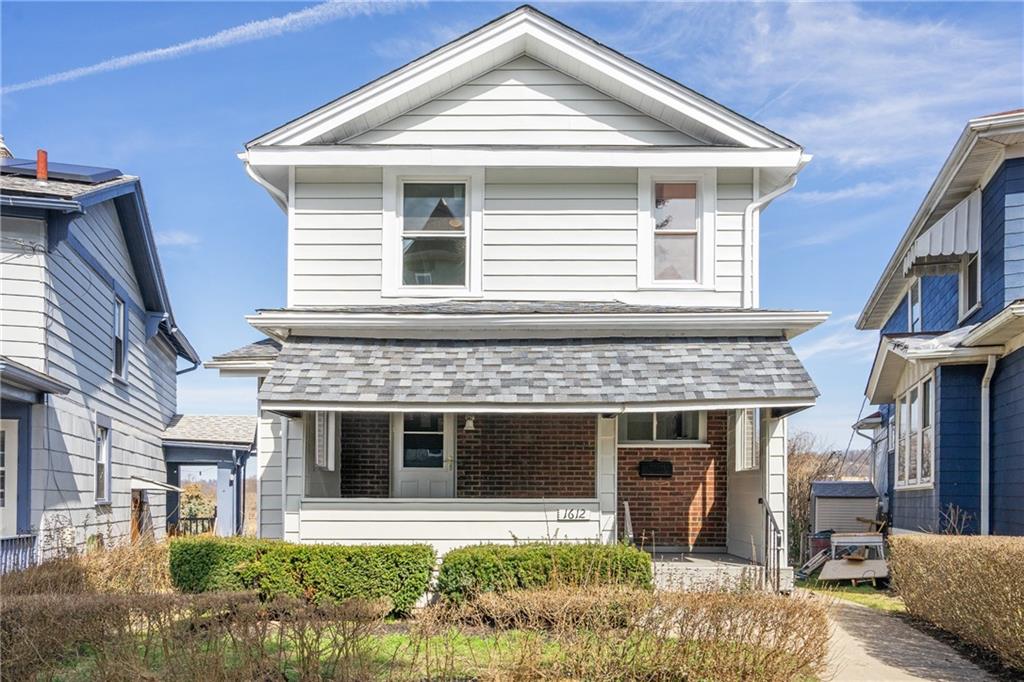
x=90, y=352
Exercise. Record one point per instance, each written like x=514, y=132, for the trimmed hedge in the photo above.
x=470, y=571
x=400, y=573
x=972, y=586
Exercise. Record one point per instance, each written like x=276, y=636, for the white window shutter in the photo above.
x=320, y=440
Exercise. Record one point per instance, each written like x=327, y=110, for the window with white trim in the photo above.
x=645, y=428
x=102, y=474
x=970, y=284
x=915, y=314
x=120, y=347
x=915, y=443
x=676, y=232
x=676, y=227
x=434, y=233
x=747, y=434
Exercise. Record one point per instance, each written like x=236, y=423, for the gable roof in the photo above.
x=211, y=428
x=523, y=31
x=979, y=147
x=125, y=191
x=843, y=489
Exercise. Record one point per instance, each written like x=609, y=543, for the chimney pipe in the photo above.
x=42, y=171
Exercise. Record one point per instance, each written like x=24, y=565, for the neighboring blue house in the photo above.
x=89, y=352
x=949, y=372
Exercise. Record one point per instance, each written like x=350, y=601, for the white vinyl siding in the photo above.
x=530, y=102
x=547, y=234
x=23, y=291
x=335, y=231
x=78, y=309
x=840, y=513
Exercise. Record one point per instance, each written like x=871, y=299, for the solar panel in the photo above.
x=69, y=172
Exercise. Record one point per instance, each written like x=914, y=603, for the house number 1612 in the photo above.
x=573, y=514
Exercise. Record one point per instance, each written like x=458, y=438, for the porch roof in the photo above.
x=567, y=374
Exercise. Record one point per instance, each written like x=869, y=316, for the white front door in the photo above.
x=423, y=454
x=8, y=477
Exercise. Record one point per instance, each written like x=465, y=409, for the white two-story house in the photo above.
x=523, y=304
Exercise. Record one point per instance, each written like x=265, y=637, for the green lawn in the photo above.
x=866, y=594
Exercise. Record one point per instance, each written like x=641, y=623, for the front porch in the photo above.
x=452, y=480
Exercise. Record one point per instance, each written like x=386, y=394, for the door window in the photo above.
x=423, y=441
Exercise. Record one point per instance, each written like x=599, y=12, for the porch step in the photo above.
x=706, y=572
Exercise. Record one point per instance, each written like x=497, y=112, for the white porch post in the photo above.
x=606, y=477
x=776, y=490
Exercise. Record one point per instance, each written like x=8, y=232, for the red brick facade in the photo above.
x=365, y=454
x=522, y=455
x=688, y=509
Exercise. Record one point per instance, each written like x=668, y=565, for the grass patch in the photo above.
x=865, y=595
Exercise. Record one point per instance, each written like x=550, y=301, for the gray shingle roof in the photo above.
x=843, y=489
x=16, y=184
x=518, y=308
x=212, y=428
x=537, y=371
x=257, y=350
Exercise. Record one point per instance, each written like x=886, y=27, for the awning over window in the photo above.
x=956, y=234
x=584, y=375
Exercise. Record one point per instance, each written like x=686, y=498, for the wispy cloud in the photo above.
x=838, y=336
x=861, y=190
x=859, y=88
x=254, y=30
x=176, y=238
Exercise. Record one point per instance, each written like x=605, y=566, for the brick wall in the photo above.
x=687, y=510
x=365, y=454
x=509, y=455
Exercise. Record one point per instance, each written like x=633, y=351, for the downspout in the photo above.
x=277, y=195
x=748, y=218
x=986, y=426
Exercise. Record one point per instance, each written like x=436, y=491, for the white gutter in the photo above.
x=748, y=224
x=986, y=382
x=277, y=195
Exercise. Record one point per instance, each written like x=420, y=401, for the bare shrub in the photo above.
x=972, y=586
x=186, y=637
x=558, y=608
x=128, y=568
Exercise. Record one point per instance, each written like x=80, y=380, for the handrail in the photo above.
x=772, y=549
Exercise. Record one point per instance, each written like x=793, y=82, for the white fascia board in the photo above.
x=534, y=408
x=526, y=26
x=240, y=368
x=534, y=157
x=207, y=445
x=281, y=324
x=999, y=329
x=885, y=375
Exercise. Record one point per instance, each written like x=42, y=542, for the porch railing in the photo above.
x=192, y=525
x=772, y=550
x=17, y=552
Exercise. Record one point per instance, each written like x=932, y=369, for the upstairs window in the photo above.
x=970, y=284
x=434, y=234
x=120, y=348
x=662, y=427
x=676, y=230
x=914, y=307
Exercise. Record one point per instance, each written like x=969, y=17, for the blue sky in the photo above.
x=171, y=92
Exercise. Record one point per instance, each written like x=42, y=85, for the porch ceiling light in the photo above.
x=470, y=425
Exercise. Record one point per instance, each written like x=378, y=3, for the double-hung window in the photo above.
x=120, y=346
x=914, y=311
x=434, y=225
x=676, y=232
x=747, y=436
x=915, y=444
x=644, y=428
x=103, y=458
x=676, y=229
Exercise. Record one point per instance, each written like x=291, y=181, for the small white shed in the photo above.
x=836, y=505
